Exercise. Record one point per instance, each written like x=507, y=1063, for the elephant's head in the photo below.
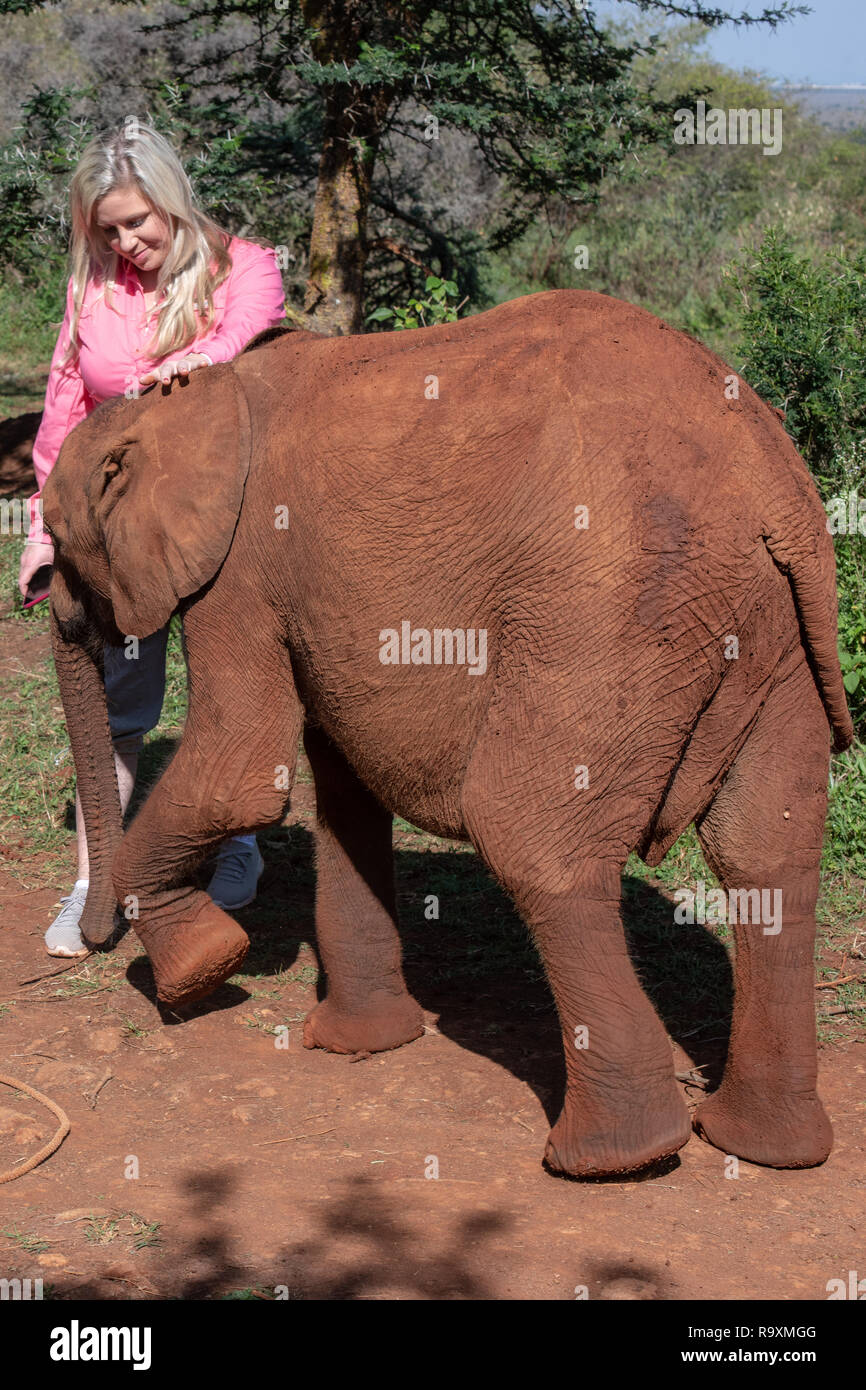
x=142, y=505
x=145, y=496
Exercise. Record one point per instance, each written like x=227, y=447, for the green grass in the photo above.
x=249, y=1295
x=27, y=341
x=845, y=844
x=145, y=1234
x=101, y=1230
x=36, y=772
x=33, y=1244
x=141, y=1234
x=96, y=976
x=131, y=1029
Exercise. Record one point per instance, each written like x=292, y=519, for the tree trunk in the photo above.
x=338, y=244
x=354, y=114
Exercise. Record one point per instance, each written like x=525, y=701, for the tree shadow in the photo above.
x=365, y=1244
x=477, y=968
x=367, y=1241
x=379, y=1220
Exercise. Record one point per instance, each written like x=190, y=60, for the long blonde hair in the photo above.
x=197, y=260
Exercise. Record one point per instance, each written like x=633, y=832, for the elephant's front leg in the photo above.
x=231, y=775
x=368, y=1008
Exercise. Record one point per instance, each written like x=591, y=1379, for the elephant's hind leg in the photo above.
x=623, y=1109
x=762, y=836
x=367, y=1008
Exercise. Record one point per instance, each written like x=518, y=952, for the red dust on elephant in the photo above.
x=670, y=659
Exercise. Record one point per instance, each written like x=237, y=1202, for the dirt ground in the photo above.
x=205, y=1161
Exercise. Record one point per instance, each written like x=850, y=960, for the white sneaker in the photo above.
x=63, y=937
x=235, y=878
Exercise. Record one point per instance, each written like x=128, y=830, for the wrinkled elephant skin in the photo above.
x=531, y=579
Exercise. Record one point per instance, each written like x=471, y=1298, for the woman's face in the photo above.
x=132, y=228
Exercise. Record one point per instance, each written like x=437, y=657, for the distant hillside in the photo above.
x=839, y=108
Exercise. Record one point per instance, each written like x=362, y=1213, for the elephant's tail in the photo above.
x=809, y=563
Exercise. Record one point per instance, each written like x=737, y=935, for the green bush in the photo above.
x=845, y=847
x=802, y=346
x=851, y=578
x=422, y=313
x=803, y=340
x=35, y=168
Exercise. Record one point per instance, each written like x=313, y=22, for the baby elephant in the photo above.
x=531, y=579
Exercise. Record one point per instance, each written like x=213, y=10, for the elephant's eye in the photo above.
x=111, y=466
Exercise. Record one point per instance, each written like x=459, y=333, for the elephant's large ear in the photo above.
x=169, y=495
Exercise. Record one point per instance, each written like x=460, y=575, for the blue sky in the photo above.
x=827, y=46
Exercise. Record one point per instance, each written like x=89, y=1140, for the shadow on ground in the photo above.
x=365, y=1246
x=477, y=967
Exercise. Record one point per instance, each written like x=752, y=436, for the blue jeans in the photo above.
x=135, y=690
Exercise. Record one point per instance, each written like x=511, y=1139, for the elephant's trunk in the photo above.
x=77, y=657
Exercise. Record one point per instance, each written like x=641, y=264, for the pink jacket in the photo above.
x=112, y=342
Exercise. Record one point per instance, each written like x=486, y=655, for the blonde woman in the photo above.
x=157, y=290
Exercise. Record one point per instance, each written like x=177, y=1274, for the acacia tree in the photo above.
x=542, y=92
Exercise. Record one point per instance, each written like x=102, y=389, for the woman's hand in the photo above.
x=34, y=555
x=182, y=366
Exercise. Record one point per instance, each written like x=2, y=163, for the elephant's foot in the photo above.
x=382, y=1026
x=599, y=1141
x=753, y=1124
x=192, y=958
